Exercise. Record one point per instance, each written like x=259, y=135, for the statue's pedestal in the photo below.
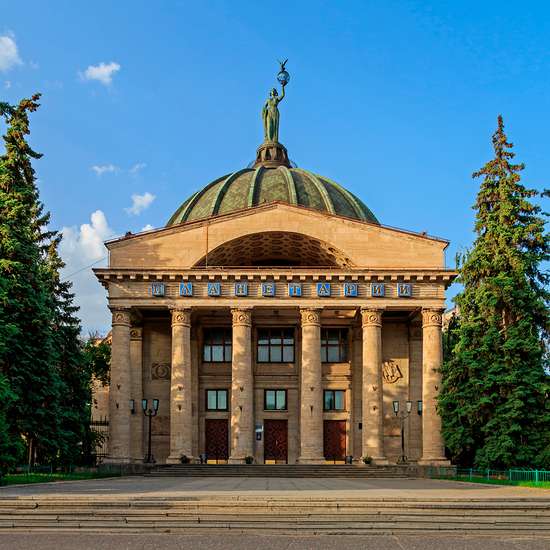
x=271, y=154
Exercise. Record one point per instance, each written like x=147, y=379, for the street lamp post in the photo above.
x=402, y=415
x=149, y=413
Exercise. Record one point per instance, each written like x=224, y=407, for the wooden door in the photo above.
x=334, y=439
x=275, y=441
x=217, y=439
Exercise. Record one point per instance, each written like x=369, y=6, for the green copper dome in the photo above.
x=261, y=185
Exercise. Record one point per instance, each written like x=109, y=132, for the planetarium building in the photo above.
x=275, y=317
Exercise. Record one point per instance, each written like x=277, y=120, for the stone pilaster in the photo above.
x=311, y=389
x=433, y=448
x=181, y=388
x=373, y=396
x=136, y=420
x=242, y=387
x=120, y=388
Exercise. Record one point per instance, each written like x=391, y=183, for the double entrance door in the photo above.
x=275, y=441
x=334, y=440
x=216, y=432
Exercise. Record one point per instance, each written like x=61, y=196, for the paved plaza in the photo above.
x=160, y=541
x=183, y=487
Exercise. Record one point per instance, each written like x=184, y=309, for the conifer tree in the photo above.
x=40, y=355
x=494, y=391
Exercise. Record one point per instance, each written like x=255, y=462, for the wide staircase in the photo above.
x=284, y=471
x=267, y=514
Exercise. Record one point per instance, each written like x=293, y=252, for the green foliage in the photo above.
x=98, y=357
x=41, y=355
x=493, y=401
x=11, y=447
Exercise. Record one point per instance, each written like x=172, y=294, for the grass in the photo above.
x=16, y=479
x=496, y=481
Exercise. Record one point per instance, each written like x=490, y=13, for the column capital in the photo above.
x=432, y=317
x=311, y=315
x=136, y=333
x=371, y=316
x=242, y=316
x=121, y=316
x=181, y=317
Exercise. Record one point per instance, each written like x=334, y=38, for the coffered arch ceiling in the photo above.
x=276, y=249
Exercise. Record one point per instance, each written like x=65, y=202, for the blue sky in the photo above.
x=396, y=100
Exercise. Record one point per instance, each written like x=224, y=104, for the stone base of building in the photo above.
x=176, y=459
x=117, y=460
x=434, y=462
x=380, y=461
x=311, y=460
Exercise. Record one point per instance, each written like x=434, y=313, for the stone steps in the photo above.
x=279, y=514
x=283, y=471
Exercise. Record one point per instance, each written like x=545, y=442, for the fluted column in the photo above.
x=311, y=389
x=373, y=396
x=242, y=387
x=181, y=389
x=136, y=368
x=120, y=388
x=433, y=448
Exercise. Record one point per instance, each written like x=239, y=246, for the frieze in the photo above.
x=271, y=289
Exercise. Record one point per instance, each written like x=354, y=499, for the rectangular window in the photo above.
x=275, y=345
x=216, y=400
x=334, y=345
x=275, y=400
x=334, y=400
x=217, y=345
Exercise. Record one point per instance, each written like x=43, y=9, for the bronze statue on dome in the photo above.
x=270, y=111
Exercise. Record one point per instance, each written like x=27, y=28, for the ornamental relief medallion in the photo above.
x=391, y=372
x=160, y=371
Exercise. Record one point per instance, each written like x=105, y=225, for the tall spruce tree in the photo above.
x=40, y=354
x=493, y=401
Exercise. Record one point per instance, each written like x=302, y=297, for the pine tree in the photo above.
x=493, y=398
x=31, y=354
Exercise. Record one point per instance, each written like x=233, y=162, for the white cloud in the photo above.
x=103, y=72
x=140, y=203
x=7, y=84
x=147, y=227
x=138, y=167
x=80, y=248
x=101, y=169
x=9, y=56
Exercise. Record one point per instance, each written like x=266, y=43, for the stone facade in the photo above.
x=377, y=292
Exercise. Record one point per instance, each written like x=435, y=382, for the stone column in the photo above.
x=433, y=448
x=181, y=389
x=311, y=389
x=373, y=395
x=120, y=388
x=136, y=420
x=242, y=387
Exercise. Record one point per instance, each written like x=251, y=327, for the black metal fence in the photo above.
x=100, y=428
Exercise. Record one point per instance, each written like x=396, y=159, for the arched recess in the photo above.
x=274, y=249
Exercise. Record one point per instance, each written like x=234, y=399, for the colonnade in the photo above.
x=121, y=448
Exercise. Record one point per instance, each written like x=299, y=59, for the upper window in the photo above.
x=276, y=345
x=275, y=400
x=334, y=400
x=334, y=345
x=217, y=345
x=216, y=400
